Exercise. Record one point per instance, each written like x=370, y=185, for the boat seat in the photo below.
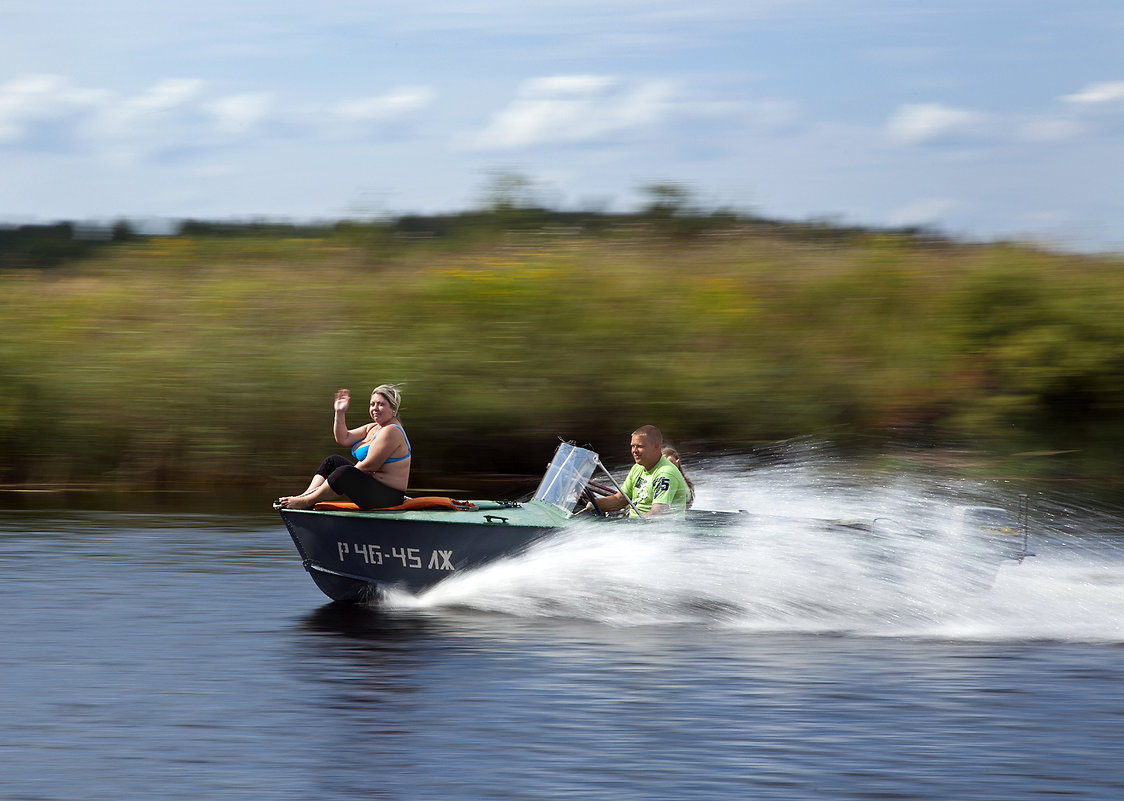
x=410, y=505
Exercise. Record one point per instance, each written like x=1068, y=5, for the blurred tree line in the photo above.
x=56, y=243
x=209, y=357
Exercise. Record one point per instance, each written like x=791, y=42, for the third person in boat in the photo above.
x=673, y=456
x=654, y=485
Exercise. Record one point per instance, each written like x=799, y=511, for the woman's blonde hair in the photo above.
x=392, y=395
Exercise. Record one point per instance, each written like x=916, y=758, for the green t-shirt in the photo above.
x=662, y=484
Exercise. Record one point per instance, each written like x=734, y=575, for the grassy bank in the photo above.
x=202, y=360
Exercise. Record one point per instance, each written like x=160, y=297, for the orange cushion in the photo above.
x=411, y=504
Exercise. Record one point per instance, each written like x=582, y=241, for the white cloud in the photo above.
x=1097, y=93
x=167, y=94
x=175, y=115
x=400, y=101
x=239, y=114
x=168, y=105
x=918, y=123
x=567, y=84
x=575, y=108
x=29, y=102
x=365, y=117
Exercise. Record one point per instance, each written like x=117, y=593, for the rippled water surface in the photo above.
x=165, y=656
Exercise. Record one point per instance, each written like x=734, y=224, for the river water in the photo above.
x=188, y=656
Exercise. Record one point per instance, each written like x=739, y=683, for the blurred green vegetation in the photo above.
x=209, y=358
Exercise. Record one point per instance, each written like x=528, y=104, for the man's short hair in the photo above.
x=649, y=432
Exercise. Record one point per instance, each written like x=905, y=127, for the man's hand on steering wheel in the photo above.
x=591, y=504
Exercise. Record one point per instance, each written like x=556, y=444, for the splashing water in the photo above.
x=906, y=573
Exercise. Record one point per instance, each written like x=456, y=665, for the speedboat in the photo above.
x=357, y=554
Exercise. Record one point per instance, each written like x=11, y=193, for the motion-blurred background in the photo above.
x=882, y=226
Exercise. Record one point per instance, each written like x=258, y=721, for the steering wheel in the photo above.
x=588, y=494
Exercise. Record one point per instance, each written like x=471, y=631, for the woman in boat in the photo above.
x=379, y=478
x=673, y=457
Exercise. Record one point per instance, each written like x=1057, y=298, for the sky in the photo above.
x=983, y=119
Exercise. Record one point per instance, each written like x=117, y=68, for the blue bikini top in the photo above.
x=359, y=449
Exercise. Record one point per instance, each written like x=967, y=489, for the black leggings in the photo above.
x=366, y=491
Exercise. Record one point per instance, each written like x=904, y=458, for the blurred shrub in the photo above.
x=211, y=358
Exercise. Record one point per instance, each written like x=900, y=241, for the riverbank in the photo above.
x=209, y=362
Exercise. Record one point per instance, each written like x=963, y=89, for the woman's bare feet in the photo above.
x=296, y=502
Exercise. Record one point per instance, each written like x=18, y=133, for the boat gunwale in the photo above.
x=533, y=513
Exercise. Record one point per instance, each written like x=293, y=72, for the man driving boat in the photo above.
x=654, y=485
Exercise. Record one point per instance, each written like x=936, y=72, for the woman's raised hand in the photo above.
x=343, y=398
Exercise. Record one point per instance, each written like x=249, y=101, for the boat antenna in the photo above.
x=1023, y=521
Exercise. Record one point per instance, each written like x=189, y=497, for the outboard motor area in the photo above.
x=993, y=528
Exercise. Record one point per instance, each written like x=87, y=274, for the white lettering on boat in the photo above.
x=440, y=560
x=409, y=556
x=372, y=554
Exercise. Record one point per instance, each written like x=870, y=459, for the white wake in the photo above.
x=787, y=572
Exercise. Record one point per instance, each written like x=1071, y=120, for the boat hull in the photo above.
x=356, y=556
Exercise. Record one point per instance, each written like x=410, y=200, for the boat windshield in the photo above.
x=566, y=477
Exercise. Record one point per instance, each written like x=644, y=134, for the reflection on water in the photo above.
x=362, y=623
